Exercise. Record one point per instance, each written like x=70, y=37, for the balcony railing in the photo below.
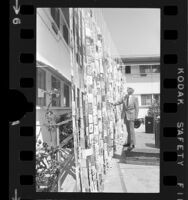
x=142, y=75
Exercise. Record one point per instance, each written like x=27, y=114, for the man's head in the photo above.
x=130, y=91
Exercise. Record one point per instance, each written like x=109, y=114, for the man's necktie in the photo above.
x=128, y=100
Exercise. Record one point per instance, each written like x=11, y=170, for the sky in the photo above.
x=135, y=32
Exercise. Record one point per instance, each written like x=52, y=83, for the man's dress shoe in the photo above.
x=130, y=148
x=126, y=145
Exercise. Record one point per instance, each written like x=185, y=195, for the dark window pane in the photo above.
x=66, y=34
x=66, y=14
x=66, y=95
x=41, y=87
x=55, y=16
x=128, y=69
x=56, y=98
x=156, y=69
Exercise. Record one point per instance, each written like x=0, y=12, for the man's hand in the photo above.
x=113, y=104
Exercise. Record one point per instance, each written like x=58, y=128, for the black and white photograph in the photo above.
x=98, y=100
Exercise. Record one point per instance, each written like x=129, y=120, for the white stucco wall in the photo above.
x=145, y=88
x=51, y=48
x=149, y=84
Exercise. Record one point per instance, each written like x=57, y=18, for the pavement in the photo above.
x=137, y=171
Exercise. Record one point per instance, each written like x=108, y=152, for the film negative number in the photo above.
x=16, y=8
x=16, y=21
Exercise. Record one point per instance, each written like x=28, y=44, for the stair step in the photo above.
x=142, y=156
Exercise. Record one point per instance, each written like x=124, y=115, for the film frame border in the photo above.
x=173, y=56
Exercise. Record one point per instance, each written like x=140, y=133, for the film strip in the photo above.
x=22, y=125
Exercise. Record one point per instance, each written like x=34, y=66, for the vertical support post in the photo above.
x=58, y=158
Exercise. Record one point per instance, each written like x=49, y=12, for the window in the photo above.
x=145, y=69
x=56, y=17
x=66, y=34
x=146, y=99
x=127, y=69
x=64, y=21
x=156, y=97
x=155, y=68
x=41, y=87
x=66, y=14
x=66, y=96
x=56, y=99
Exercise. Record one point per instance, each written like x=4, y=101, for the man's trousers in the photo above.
x=131, y=140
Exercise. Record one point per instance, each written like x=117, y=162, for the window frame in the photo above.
x=150, y=69
x=67, y=103
x=58, y=99
x=58, y=27
x=129, y=67
x=63, y=23
x=39, y=99
x=151, y=95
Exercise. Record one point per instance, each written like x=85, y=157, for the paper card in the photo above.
x=87, y=122
x=81, y=114
x=89, y=89
x=82, y=143
x=89, y=80
x=98, y=85
x=94, y=110
x=101, y=68
x=90, y=118
x=105, y=134
x=90, y=128
x=83, y=163
x=92, y=160
x=100, y=125
x=98, y=98
x=90, y=108
x=81, y=133
x=85, y=178
x=82, y=124
x=94, y=101
x=88, y=32
x=96, y=130
x=87, y=152
x=99, y=114
x=91, y=138
x=90, y=98
x=40, y=92
x=95, y=120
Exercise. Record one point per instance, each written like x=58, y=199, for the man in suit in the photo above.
x=129, y=114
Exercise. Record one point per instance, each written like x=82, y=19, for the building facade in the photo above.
x=55, y=59
x=143, y=75
x=59, y=53
x=77, y=76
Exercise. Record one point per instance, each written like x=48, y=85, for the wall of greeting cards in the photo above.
x=96, y=81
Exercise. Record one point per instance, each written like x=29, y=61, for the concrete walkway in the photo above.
x=136, y=171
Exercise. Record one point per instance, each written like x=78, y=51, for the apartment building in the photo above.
x=54, y=63
x=143, y=74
